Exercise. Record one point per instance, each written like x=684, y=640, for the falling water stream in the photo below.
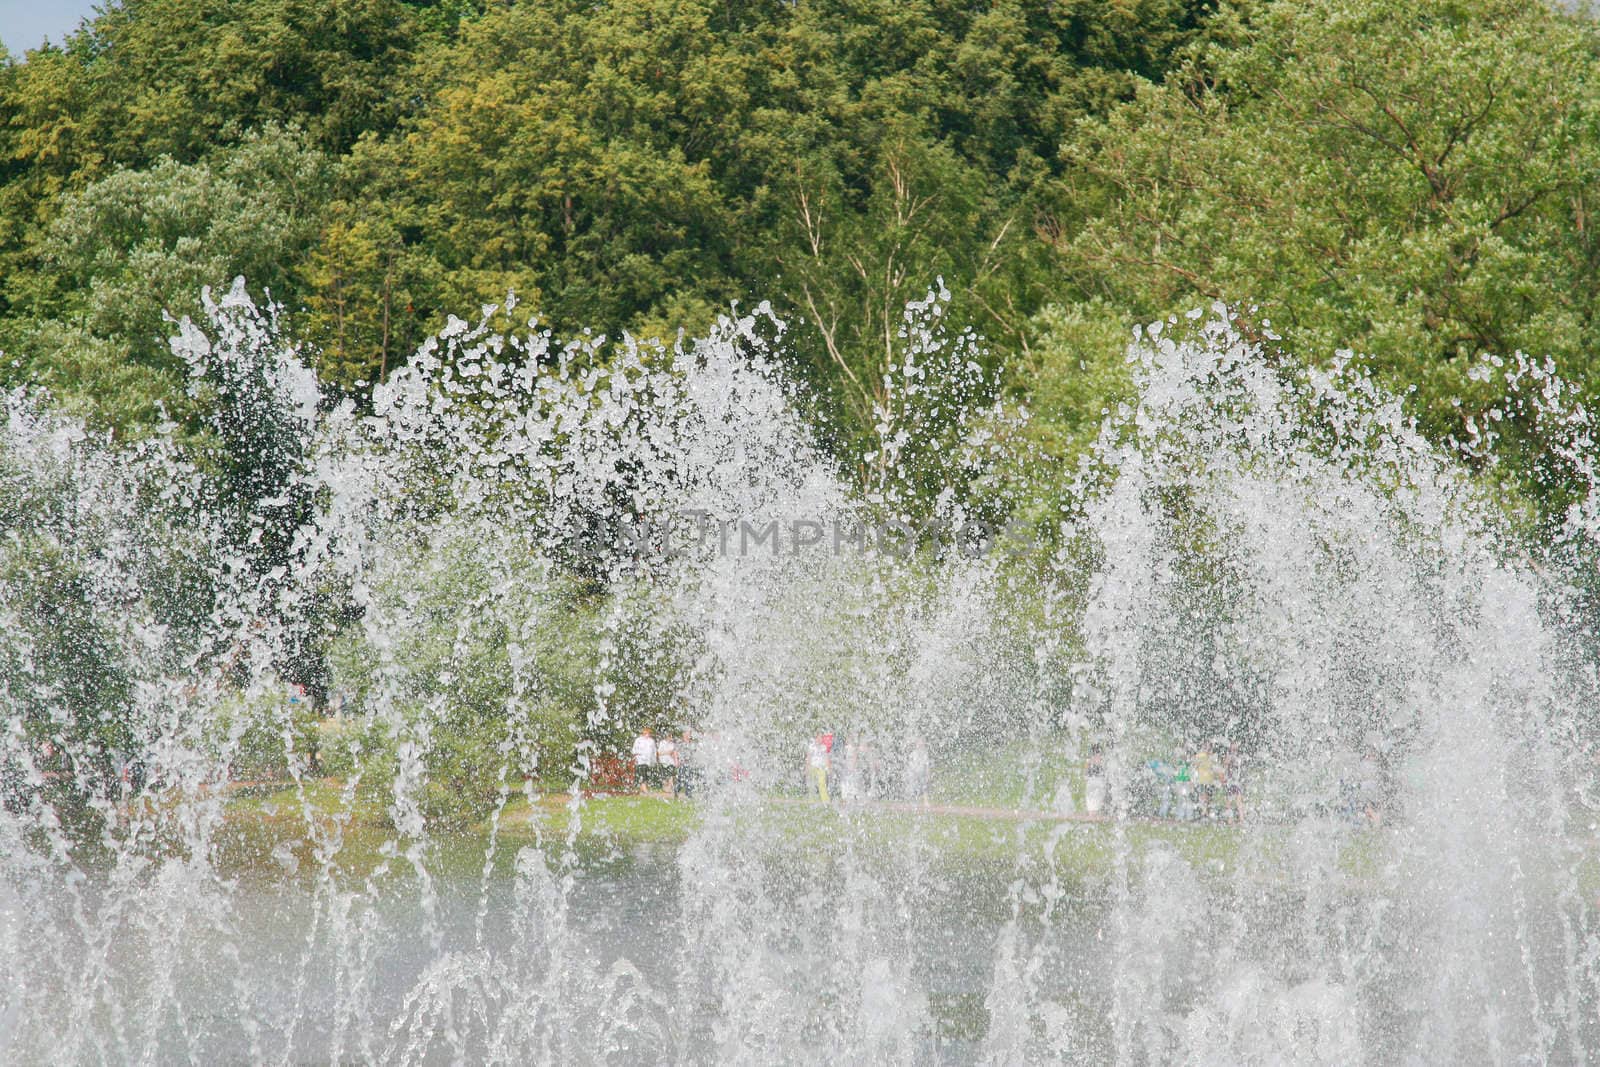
x=1264, y=562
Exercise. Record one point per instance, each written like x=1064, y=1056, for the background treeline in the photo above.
x=1411, y=179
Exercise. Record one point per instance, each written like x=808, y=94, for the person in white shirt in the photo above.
x=644, y=759
x=1094, y=781
x=667, y=764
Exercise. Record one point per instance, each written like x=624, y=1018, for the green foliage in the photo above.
x=62, y=670
x=258, y=403
x=152, y=79
x=265, y=738
x=620, y=166
x=363, y=286
x=101, y=591
x=562, y=153
x=478, y=662
x=1076, y=367
x=1074, y=374
x=135, y=249
x=913, y=141
x=642, y=664
x=444, y=17
x=1409, y=180
x=638, y=166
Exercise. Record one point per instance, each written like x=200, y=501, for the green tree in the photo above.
x=1410, y=180
x=137, y=247
x=638, y=166
x=151, y=79
x=363, y=289
x=561, y=154
x=104, y=585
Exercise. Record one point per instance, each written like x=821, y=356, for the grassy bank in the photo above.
x=274, y=832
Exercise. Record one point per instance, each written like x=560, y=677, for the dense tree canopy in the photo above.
x=138, y=246
x=631, y=166
x=639, y=166
x=1407, y=179
x=1411, y=181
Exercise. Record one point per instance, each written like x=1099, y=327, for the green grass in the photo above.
x=260, y=822
x=623, y=819
x=999, y=776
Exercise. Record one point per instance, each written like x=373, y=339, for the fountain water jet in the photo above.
x=1268, y=556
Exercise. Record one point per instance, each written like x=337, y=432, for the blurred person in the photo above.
x=918, y=771
x=644, y=759
x=1094, y=781
x=1203, y=768
x=818, y=756
x=1183, y=778
x=688, y=764
x=872, y=760
x=1165, y=776
x=1233, y=782
x=667, y=764
x=850, y=776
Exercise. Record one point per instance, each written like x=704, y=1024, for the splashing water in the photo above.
x=526, y=550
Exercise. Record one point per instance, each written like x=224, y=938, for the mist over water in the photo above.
x=1264, y=561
